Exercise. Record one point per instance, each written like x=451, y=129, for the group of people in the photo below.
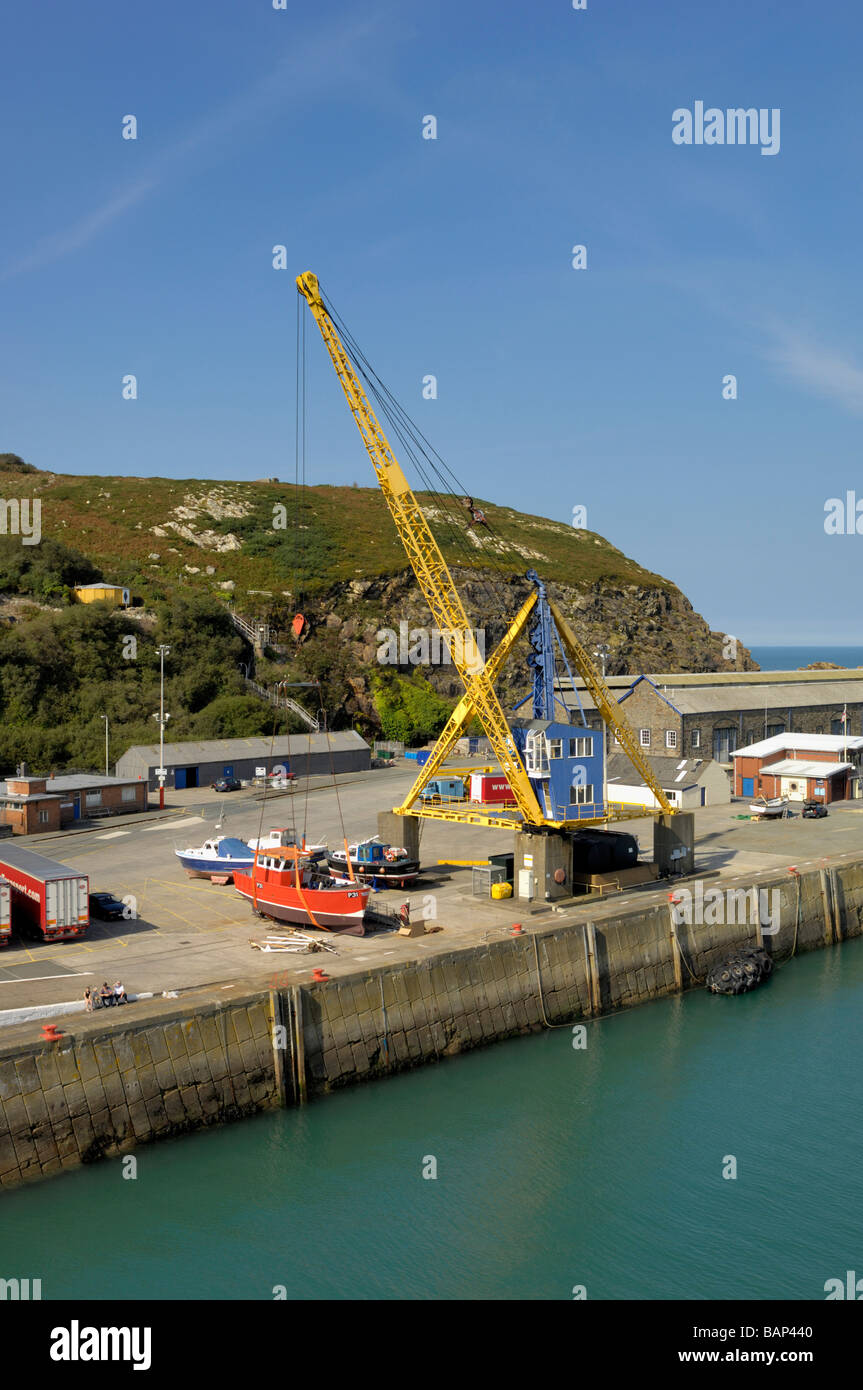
x=105, y=997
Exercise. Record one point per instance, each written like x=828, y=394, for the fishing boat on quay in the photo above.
x=373, y=860
x=220, y=857
x=288, y=887
x=216, y=859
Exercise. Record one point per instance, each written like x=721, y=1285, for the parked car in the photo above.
x=226, y=784
x=814, y=810
x=106, y=906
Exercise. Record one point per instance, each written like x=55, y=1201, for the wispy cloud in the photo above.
x=825, y=371
x=316, y=68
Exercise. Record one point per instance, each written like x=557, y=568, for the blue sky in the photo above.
x=557, y=387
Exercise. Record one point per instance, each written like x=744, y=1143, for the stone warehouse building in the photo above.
x=709, y=715
x=198, y=764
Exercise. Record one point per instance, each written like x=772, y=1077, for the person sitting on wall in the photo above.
x=106, y=994
x=88, y=1000
x=120, y=994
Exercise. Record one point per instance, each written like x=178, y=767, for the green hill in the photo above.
x=189, y=550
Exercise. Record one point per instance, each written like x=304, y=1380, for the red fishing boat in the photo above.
x=288, y=887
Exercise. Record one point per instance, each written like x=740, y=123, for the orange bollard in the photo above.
x=319, y=974
x=516, y=928
x=49, y=1032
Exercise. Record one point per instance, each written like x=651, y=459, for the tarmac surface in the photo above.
x=191, y=934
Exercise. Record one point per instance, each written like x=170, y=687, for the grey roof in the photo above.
x=666, y=770
x=73, y=782
x=80, y=781
x=716, y=699
x=727, y=678
x=213, y=749
x=691, y=700
x=19, y=798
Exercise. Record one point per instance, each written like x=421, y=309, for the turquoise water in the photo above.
x=792, y=658
x=555, y=1167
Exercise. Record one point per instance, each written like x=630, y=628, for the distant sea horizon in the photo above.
x=777, y=658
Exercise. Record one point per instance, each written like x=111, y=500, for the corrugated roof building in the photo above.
x=197, y=763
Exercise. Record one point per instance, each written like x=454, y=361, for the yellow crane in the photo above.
x=439, y=591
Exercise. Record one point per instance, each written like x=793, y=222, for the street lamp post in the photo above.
x=161, y=770
x=105, y=717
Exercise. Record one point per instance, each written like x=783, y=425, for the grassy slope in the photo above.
x=346, y=534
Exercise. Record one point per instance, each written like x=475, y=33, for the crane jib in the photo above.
x=438, y=588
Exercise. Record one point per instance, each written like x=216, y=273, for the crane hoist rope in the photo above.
x=426, y=560
x=436, y=583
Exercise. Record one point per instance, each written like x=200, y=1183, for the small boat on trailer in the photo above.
x=772, y=808
x=374, y=860
x=286, y=886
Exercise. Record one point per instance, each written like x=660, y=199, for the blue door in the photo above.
x=748, y=785
x=180, y=779
x=76, y=806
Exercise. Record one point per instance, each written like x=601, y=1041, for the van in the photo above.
x=443, y=789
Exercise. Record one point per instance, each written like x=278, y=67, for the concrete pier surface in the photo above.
x=190, y=933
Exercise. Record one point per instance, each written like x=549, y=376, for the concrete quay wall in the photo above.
x=99, y=1091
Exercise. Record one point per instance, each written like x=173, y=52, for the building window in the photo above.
x=724, y=743
x=130, y=793
x=582, y=796
x=93, y=798
x=671, y=738
x=581, y=747
x=774, y=729
x=696, y=738
x=555, y=747
x=644, y=737
x=44, y=817
x=837, y=726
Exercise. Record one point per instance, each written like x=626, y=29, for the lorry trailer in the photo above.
x=5, y=912
x=48, y=900
x=490, y=787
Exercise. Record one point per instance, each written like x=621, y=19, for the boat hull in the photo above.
x=389, y=871
x=335, y=909
x=212, y=868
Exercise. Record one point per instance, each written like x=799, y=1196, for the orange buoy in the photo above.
x=298, y=624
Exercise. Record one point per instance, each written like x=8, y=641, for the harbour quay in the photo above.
x=229, y=1030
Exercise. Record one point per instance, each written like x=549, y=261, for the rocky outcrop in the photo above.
x=645, y=628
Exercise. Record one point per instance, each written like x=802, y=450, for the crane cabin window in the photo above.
x=536, y=754
x=581, y=747
x=582, y=796
x=555, y=747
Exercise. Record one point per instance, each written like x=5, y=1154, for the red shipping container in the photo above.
x=489, y=786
